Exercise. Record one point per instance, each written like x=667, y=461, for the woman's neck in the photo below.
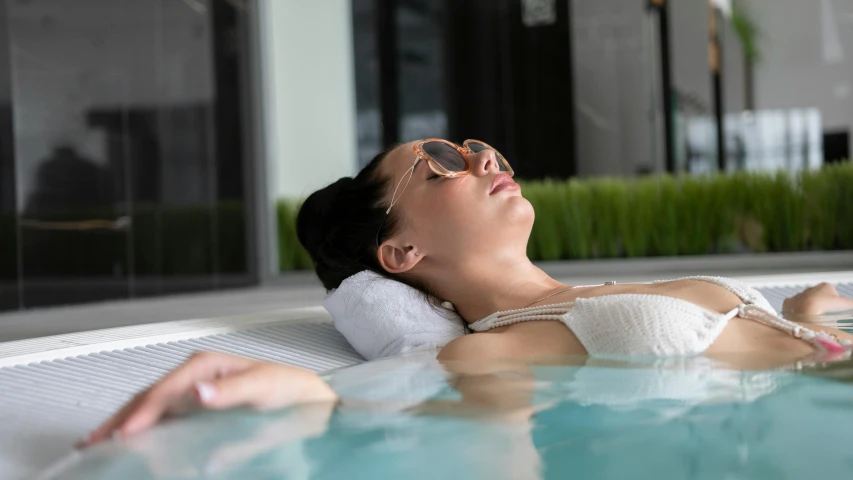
x=478, y=291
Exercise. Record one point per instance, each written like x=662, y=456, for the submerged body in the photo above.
x=686, y=316
x=652, y=418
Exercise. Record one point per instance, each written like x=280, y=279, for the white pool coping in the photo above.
x=21, y=352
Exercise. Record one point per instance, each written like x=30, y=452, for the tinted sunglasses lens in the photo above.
x=446, y=156
x=478, y=147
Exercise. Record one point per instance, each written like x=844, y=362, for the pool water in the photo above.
x=555, y=418
x=842, y=320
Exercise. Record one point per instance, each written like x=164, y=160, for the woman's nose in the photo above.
x=484, y=163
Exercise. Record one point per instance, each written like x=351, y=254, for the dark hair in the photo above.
x=338, y=225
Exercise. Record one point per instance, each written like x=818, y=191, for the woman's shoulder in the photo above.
x=519, y=340
x=746, y=292
x=476, y=346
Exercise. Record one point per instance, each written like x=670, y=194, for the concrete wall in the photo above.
x=807, y=49
x=617, y=109
x=619, y=104
x=310, y=118
x=689, y=49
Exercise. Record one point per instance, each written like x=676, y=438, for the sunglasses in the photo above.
x=446, y=159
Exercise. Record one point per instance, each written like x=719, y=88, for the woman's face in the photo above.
x=455, y=220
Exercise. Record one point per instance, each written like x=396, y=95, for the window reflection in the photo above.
x=126, y=122
x=419, y=33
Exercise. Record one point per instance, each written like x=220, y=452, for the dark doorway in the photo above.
x=509, y=82
x=9, y=286
x=496, y=70
x=836, y=146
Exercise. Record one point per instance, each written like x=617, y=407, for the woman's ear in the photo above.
x=397, y=258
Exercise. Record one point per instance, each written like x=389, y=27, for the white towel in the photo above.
x=382, y=317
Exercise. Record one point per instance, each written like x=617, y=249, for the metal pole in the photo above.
x=666, y=79
x=715, y=60
x=386, y=46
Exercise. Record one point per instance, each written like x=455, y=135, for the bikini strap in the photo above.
x=554, y=311
x=823, y=341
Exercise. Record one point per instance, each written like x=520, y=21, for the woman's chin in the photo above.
x=518, y=212
x=520, y=207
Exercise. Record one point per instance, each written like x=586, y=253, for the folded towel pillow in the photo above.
x=382, y=317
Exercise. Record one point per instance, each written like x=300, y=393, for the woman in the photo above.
x=450, y=221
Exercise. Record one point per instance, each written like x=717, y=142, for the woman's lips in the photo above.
x=503, y=182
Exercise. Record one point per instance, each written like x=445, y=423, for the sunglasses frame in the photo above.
x=434, y=165
x=463, y=150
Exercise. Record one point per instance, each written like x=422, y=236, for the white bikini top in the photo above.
x=660, y=325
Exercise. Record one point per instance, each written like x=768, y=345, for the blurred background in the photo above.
x=153, y=147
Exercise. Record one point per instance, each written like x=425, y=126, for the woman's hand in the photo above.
x=817, y=300
x=215, y=381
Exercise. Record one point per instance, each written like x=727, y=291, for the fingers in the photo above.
x=176, y=387
x=216, y=381
x=239, y=390
x=835, y=304
x=152, y=408
x=817, y=300
x=824, y=288
x=168, y=394
x=264, y=387
x=201, y=366
x=106, y=428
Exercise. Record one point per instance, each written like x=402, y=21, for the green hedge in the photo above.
x=666, y=215
x=291, y=255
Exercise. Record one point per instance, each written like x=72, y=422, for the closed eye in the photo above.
x=433, y=176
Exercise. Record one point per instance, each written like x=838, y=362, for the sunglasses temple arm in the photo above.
x=394, y=197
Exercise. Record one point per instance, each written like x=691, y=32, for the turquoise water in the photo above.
x=560, y=418
x=842, y=320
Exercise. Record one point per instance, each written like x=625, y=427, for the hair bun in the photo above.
x=318, y=217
